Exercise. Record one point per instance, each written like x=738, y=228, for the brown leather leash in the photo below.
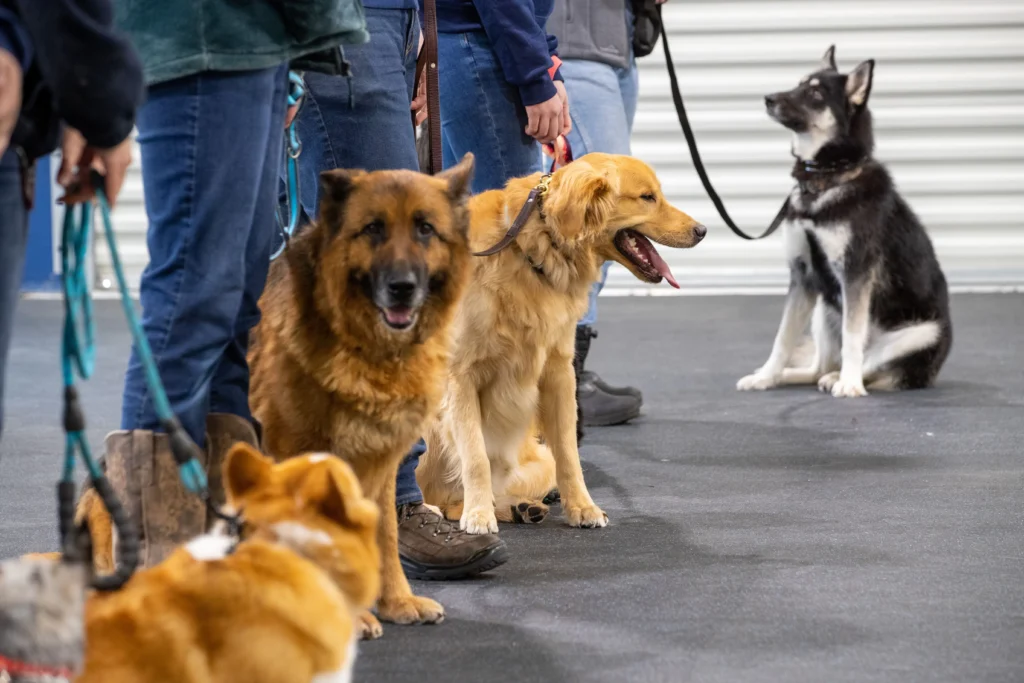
x=426, y=66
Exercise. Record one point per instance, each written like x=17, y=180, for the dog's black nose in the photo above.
x=699, y=231
x=402, y=287
x=771, y=100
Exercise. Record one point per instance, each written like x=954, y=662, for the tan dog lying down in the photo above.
x=514, y=338
x=280, y=608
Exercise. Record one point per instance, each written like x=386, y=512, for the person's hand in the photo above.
x=419, y=103
x=77, y=158
x=544, y=120
x=10, y=97
x=566, y=119
x=289, y=115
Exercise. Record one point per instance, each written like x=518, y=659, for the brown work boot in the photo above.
x=223, y=430
x=144, y=475
x=433, y=549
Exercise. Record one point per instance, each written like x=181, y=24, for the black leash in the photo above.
x=691, y=142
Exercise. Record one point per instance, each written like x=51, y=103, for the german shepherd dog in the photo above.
x=511, y=373
x=861, y=264
x=351, y=354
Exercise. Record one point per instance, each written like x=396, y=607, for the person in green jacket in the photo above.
x=211, y=135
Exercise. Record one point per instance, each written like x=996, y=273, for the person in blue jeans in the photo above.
x=211, y=135
x=61, y=65
x=600, y=75
x=366, y=123
x=501, y=94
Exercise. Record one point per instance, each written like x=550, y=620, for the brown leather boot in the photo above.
x=144, y=475
x=433, y=549
x=223, y=430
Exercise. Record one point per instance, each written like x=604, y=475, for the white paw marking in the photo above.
x=319, y=457
x=849, y=388
x=207, y=548
x=757, y=382
x=828, y=381
x=479, y=522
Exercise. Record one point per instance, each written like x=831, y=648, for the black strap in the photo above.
x=684, y=121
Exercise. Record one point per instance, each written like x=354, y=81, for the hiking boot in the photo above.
x=433, y=549
x=599, y=403
x=223, y=430
x=144, y=475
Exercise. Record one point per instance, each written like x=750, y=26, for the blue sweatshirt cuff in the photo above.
x=537, y=91
x=14, y=38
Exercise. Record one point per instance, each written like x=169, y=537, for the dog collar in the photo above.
x=533, y=201
x=9, y=668
x=819, y=168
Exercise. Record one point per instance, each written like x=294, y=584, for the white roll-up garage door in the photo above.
x=948, y=103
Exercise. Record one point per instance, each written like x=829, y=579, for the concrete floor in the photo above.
x=777, y=537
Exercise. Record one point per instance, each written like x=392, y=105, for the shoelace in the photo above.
x=441, y=525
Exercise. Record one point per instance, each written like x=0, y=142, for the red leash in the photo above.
x=16, y=668
x=556, y=160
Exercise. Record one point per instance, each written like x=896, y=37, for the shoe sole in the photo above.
x=484, y=562
x=612, y=419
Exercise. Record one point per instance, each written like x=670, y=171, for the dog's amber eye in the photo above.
x=649, y=197
x=373, y=229
x=425, y=229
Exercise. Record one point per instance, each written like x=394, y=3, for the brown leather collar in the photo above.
x=533, y=201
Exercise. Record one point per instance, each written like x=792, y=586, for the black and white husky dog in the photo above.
x=862, y=268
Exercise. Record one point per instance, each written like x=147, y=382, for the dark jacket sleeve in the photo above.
x=523, y=48
x=93, y=73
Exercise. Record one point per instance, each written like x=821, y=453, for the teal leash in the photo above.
x=293, y=148
x=78, y=358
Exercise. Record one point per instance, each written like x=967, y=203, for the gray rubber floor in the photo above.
x=779, y=537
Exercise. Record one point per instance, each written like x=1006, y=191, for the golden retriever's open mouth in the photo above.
x=642, y=254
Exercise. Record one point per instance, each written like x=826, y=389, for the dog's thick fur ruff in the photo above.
x=861, y=264
x=330, y=372
x=511, y=376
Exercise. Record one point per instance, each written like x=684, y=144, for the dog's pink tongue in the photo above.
x=398, y=315
x=662, y=267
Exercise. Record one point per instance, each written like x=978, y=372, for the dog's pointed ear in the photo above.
x=858, y=83
x=336, y=184
x=339, y=498
x=460, y=177
x=580, y=201
x=828, y=61
x=245, y=469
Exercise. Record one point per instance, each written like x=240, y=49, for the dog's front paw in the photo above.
x=828, y=381
x=479, y=521
x=369, y=627
x=849, y=388
x=587, y=516
x=759, y=381
x=411, y=610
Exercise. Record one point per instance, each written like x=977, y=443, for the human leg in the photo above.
x=205, y=143
x=482, y=113
x=13, y=236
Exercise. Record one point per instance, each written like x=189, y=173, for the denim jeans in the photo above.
x=482, y=113
x=602, y=103
x=374, y=134
x=13, y=237
x=212, y=146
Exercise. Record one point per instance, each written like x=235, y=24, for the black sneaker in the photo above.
x=433, y=549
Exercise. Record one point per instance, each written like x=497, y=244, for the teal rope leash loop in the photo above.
x=293, y=145
x=186, y=452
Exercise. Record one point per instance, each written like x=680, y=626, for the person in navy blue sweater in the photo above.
x=501, y=93
x=65, y=74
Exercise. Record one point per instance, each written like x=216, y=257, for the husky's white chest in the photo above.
x=832, y=241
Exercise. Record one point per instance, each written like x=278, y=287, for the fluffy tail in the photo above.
x=892, y=346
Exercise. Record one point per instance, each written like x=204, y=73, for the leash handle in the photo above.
x=293, y=148
x=691, y=142
x=551, y=149
x=426, y=67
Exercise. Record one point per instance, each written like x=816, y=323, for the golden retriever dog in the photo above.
x=514, y=338
x=352, y=352
x=278, y=605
